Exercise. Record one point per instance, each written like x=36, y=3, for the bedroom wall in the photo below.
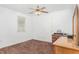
x=8, y=27
x=41, y=27
x=62, y=20
x=44, y=26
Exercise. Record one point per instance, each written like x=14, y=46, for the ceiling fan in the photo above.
x=38, y=10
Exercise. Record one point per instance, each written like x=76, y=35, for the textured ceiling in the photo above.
x=25, y=8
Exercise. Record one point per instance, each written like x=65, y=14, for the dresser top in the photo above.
x=66, y=43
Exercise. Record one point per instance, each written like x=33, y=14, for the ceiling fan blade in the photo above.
x=43, y=8
x=38, y=6
x=30, y=12
x=44, y=11
x=32, y=8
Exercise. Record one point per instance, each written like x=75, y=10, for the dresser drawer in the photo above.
x=63, y=50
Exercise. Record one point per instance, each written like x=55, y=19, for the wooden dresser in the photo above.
x=55, y=36
x=64, y=46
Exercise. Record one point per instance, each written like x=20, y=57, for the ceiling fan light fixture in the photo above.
x=38, y=13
